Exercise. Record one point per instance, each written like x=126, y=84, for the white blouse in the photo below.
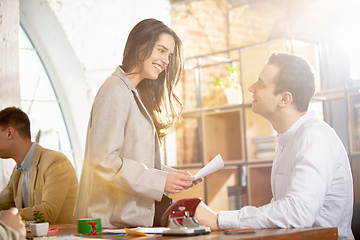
x=311, y=183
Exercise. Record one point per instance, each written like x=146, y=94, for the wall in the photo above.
x=97, y=31
x=213, y=25
x=62, y=66
x=205, y=27
x=9, y=67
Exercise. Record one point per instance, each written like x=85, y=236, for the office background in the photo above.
x=56, y=53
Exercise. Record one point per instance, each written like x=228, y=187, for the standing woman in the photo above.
x=122, y=175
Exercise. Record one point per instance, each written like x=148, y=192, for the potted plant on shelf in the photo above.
x=230, y=85
x=39, y=227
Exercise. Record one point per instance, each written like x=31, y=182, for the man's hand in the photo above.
x=178, y=181
x=206, y=216
x=13, y=220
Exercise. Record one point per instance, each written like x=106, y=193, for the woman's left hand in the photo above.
x=184, y=172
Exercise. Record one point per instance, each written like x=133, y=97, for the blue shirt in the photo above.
x=25, y=169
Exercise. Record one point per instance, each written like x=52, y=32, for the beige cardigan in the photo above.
x=7, y=232
x=121, y=176
x=53, y=186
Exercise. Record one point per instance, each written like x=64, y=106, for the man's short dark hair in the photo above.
x=16, y=118
x=296, y=76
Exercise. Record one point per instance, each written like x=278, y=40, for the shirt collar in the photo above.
x=27, y=163
x=290, y=132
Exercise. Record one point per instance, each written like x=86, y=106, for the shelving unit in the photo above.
x=353, y=97
x=259, y=187
x=223, y=134
x=245, y=140
x=355, y=166
x=354, y=113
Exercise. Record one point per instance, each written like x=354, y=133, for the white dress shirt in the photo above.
x=311, y=183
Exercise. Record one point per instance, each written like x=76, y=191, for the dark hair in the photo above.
x=296, y=76
x=158, y=96
x=16, y=118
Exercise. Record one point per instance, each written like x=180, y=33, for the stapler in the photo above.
x=180, y=218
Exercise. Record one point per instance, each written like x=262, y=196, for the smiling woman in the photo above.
x=123, y=181
x=156, y=63
x=151, y=43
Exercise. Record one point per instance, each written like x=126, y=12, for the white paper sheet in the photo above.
x=114, y=231
x=150, y=230
x=211, y=167
x=146, y=230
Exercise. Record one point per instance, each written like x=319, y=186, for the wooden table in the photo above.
x=263, y=234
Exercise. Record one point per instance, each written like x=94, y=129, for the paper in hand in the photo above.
x=211, y=167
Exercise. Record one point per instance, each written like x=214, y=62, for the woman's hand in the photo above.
x=178, y=181
x=189, y=174
x=197, y=181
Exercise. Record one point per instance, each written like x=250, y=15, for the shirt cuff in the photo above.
x=228, y=220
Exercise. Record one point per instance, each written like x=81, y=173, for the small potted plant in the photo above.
x=40, y=227
x=230, y=84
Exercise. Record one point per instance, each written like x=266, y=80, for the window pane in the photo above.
x=39, y=101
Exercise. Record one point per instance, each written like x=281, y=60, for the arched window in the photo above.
x=40, y=102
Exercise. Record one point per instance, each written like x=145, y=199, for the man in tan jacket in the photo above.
x=42, y=180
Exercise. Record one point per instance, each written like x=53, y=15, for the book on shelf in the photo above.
x=265, y=146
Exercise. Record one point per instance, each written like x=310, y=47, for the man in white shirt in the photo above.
x=311, y=179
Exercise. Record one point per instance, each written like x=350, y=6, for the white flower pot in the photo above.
x=39, y=229
x=233, y=95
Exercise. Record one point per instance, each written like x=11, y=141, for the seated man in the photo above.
x=42, y=180
x=311, y=178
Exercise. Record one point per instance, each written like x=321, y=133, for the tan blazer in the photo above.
x=121, y=176
x=53, y=187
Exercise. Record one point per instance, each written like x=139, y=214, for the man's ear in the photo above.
x=286, y=99
x=10, y=132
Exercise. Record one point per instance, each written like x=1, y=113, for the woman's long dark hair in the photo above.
x=158, y=95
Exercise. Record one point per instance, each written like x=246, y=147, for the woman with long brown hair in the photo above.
x=122, y=175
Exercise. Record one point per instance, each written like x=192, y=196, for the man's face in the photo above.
x=4, y=143
x=265, y=102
